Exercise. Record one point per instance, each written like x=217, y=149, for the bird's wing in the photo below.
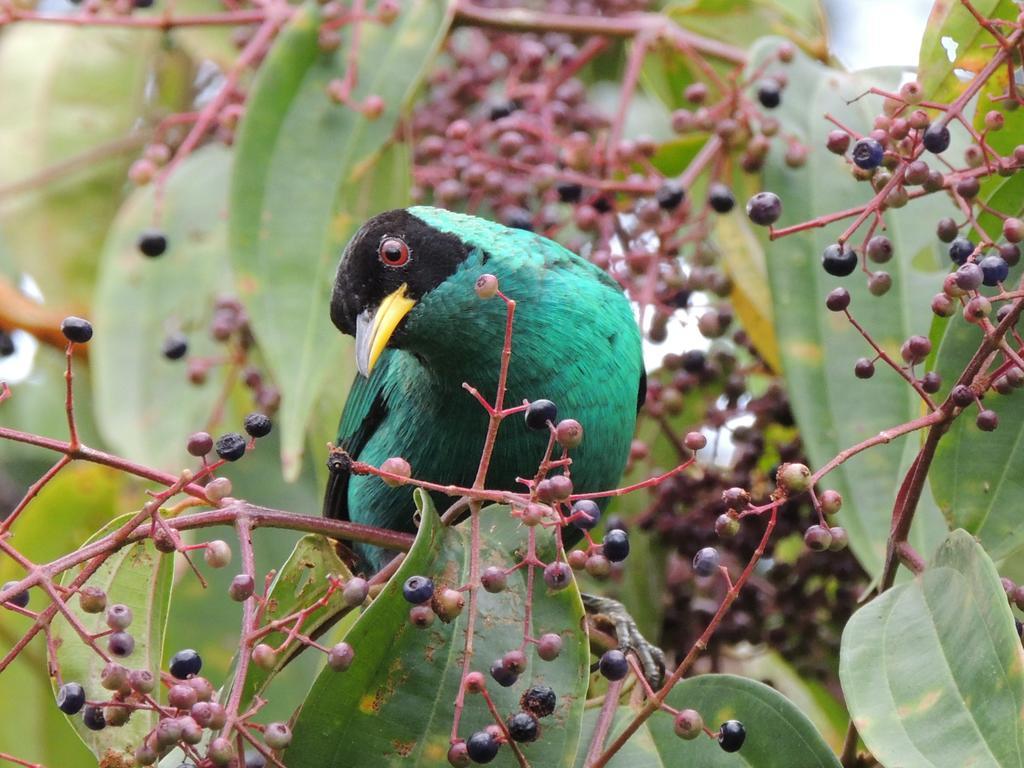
x=365, y=409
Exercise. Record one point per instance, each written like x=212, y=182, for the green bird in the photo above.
x=405, y=291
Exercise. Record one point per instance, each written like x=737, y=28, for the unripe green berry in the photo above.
x=277, y=735
x=794, y=478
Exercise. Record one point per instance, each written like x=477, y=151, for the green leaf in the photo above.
x=833, y=409
x=951, y=24
x=308, y=172
x=301, y=582
x=145, y=404
x=74, y=504
x=68, y=95
x=813, y=698
x=778, y=734
x=394, y=705
x=137, y=576
x=741, y=22
x=978, y=477
x=933, y=670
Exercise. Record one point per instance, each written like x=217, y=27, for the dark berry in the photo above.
x=76, y=329
x=93, y=719
x=864, y=368
x=969, y=276
x=838, y=142
x=694, y=361
x=915, y=349
x=867, y=154
x=764, y=208
x=879, y=249
x=569, y=192
x=769, y=94
x=539, y=700
x=175, y=346
x=817, y=538
x=720, y=198
x=838, y=300
x=522, y=727
x=258, y=425
x=502, y=675
x=184, y=664
x=613, y=664
x=994, y=269
x=960, y=250
x=936, y=138
x=494, y=579
x=418, y=589
x=670, y=195
x=502, y=109
x=705, y=562
x=557, y=575
x=539, y=413
x=961, y=395
x=70, y=698
x=586, y=514
x=19, y=599
x=199, y=444
x=482, y=747
x=731, y=735
x=946, y=230
x=230, y=446
x=616, y=546
x=241, y=587
x=121, y=644
x=987, y=421
x=931, y=382
x=838, y=260
x=6, y=344
x=152, y=243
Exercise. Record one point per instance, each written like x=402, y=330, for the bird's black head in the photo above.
x=391, y=262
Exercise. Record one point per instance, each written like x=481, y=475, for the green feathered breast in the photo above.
x=575, y=342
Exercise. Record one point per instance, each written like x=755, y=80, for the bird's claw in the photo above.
x=650, y=656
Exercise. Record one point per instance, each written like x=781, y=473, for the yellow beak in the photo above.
x=374, y=328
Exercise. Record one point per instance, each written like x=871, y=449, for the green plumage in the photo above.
x=575, y=342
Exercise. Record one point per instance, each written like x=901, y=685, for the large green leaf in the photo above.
x=66, y=93
x=145, y=404
x=303, y=163
x=933, y=670
x=394, y=705
x=978, y=477
x=301, y=582
x=951, y=24
x=833, y=408
x=140, y=577
x=73, y=505
x=741, y=22
x=778, y=734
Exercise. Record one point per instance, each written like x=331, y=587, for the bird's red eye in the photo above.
x=393, y=252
